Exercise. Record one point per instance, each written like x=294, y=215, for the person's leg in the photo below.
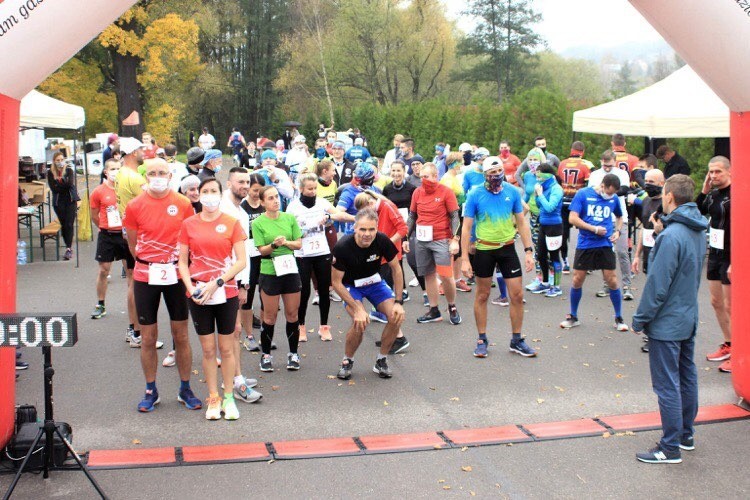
x=411, y=259
x=391, y=329
x=353, y=339
x=291, y=306
x=576, y=290
x=543, y=257
x=431, y=284
x=480, y=303
x=443, y=260
x=515, y=291
x=322, y=269
x=305, y=267
x=534, y=225
x=210, y=367
x=101, y=280
x=229, y=363
x=615, y=294
x=183, y=351
x=663, y=357
x=68, y=224
x=688, y=386
x=721, y=303
x=271, y=308
x=149, y=336
x=566, y=231
x=623, y=259
x=132, y=312
x=556, y=267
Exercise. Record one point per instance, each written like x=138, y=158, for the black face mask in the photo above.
x=544, y=150
x=307, y=201
x=367, y=183
x=652, y=190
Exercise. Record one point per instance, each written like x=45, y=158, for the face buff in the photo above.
x=494, y=183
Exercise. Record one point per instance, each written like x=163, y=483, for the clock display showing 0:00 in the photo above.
x=38, y=330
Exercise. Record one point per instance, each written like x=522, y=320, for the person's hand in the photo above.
x=279, y=241
x=538, y=189
x=361, y=319
x=405, y=246
x=637, y=333
x=729, y=272
x=614, y=238
x=656, y=221
x=466, y=269
x=242, y=296
x=529, y=261
x=706, y=185
x=207, y=292
x=635, y=266
x=453, y=247
x=631, y=198
x=397, y=314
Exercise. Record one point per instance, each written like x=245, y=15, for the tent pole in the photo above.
x=75, y=180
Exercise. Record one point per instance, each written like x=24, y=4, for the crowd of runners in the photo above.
x=296, y=227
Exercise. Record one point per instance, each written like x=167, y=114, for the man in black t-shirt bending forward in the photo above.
x=355, y=276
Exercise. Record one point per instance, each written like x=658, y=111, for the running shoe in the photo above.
x=68, y=254
x=170, y=360
x=187, y=398
x=99, y=312
x=256, y=322
x=399, y=345
x=570, y=322
x=723, y=354
x=620, y=324
x=658, y=456
x=726, y=366
x=334, y=296
x=266, y=363
x=324, y=332
x=316, y=299
x=213, y=412
x=453, y=315
x=229, y=407
x=687, y=443
x=540, y=288
x=644, y=347
x=536, y=282
x=247, y=394
x=292, y=361
x=149, y=401
x=433, y=315
x=135, y=342
x=382, y=369
x=627, y=294
x=481, y=350
x=123, y=273
x=302, y=333
x=604, y=292
x=345, y=372
x=471, y=281
x=414, y=282
x=250, y=344
x=566, y=267
x=129, y=332
x=425, y=300
x=378, y=316
x=21, y=365
x=462, y=286
x=405, y=296
x=554, y=291
x=522, y=348
x=501, y=301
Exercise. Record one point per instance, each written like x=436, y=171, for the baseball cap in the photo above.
x=358, y=141
x=195, y=155
x=481, y=153
x=112, y=138
x=491, y=162
x=364, y=171
x=268, y=155
x=129, y=145
x=417, y=158
x=211, y=154
x=299, y=139
x=465, y=146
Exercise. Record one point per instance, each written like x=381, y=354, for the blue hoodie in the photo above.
x=550, y=203
x=669, y=306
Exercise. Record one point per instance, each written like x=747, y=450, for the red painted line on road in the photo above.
x=567, y=429
x=147, y=457
x=246, y=452
x=315, y=448
x=392, y=443
x=487, y=435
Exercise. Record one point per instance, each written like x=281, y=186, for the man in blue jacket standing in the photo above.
x=668, y=315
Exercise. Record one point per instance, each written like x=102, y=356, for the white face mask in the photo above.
x=607, y=196
x=158, y=184
x=210, y=202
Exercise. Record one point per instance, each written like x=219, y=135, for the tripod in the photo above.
x=48, y=431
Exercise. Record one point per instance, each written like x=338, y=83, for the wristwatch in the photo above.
x=529, y=249
x=401, y=302
x=220, y=282
x=274, y=246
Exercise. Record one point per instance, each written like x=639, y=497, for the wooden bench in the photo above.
x=51, y=232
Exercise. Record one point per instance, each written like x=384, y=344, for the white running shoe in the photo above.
x=170, y=360
x=334, y=296
x=414, y=282
x=316, y=299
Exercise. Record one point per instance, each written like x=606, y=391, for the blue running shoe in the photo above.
x=187, y=398
x=149, y=402
x=522, y=348
x=481, y=350
x=554, y=291
x=540, y=288
x=378, y=316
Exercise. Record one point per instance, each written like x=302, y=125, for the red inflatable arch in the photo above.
x=712, y=40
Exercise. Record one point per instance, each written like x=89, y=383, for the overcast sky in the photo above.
x=570, y=23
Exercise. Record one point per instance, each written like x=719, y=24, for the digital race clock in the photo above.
x=38, y=330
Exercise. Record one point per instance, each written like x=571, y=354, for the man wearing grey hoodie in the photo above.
x=668, y=315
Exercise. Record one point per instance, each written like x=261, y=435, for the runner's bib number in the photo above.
x=285, y=264
x=162, y=274
x=553, y=242
x=404, y=213
x=648, y=238
x=424, y=233
x=252, y=250
x=314, y=244
x=716, y=238
x=219, y=296
x=113, y=218
x=370, y=280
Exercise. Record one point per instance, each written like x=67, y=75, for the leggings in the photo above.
x=66, y=214
x=320, y=267
x=566, y=231
x=254, y=277
x=534, y=225
x=554, y=255
x=411, y=259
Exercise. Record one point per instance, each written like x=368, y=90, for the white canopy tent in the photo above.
x=41, y=111
x=681, y=105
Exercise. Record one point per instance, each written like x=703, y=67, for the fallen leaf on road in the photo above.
x=446, y=487
x=619, y=375
x=432, y=388
x=311, y=330
x=331, y=377
x=195, y=372
x=564, y=347
x=586, y=364
x=455, y=399
x=340, y=385
x=561, y=389
x=274, y=387
x=592, y=344
x=606, y=435
x=352, y=382
x=137, y=441
x=539, y=401
x=617, y=395
x=441, y=481
x=385, y=403
x=271, y=461
x=472, y=493
x=466, y=468
x=464, y=448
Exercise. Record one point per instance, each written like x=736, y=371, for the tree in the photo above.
x=624, y=84
x=505, y=39
x=578, y=79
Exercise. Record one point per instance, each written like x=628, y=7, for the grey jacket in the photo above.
x=668, y=309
